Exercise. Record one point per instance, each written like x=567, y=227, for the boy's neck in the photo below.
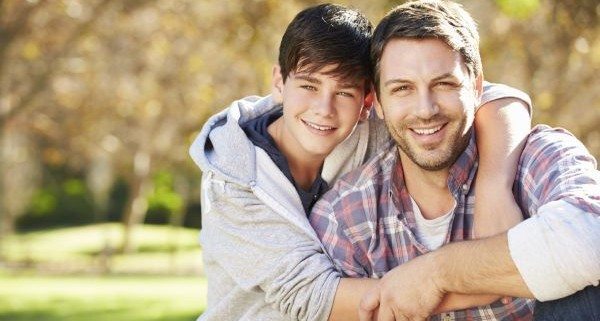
x=304, y=166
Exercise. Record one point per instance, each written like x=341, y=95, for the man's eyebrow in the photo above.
x=396, y=81
x=444, y=76
x=402, y=81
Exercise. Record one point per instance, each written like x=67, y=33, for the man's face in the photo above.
x=319, y=110
x=427, y=98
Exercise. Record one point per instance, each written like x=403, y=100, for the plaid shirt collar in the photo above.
x=460, y=178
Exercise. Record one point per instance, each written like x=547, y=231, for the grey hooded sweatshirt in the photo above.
x=262, y=259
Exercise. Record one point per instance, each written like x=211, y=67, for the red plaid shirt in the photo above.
x=367, y=224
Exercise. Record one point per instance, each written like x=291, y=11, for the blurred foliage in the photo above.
x=113, y=92
x=164, y=200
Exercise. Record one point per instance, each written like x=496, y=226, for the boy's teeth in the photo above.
x=427, y=131
x=318, y=127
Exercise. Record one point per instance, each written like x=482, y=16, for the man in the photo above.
x=396, y=210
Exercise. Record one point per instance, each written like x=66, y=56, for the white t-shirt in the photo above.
x=432, y=233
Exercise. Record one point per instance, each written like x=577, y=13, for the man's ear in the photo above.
x=277, y=85
x=377, y=105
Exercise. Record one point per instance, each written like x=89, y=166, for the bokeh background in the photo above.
x=100, y=99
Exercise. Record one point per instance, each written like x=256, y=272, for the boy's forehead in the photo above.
x=329, y=71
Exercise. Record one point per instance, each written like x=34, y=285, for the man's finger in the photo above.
x=385, y=314
x=368, y=305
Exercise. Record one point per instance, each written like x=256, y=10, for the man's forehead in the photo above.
x=423, y=57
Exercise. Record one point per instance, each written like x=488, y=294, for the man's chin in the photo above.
x=434, y=162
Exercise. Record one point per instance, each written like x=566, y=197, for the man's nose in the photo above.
x=426, y=106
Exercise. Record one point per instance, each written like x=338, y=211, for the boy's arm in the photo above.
x=262, y=250
x=502, y=126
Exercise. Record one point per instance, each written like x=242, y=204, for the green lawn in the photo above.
x=53, y=275
x=132, y=298
x=161, y=250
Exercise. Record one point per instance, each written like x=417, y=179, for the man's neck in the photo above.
x=429, y=189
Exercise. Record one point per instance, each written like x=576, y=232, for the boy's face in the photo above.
x=427, y=98
x=319, y=110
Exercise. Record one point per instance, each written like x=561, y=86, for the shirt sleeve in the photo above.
x=557, y=250
x=492, y=91
x=328, y=220
x=262, y=251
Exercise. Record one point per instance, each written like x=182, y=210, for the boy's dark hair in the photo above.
x=327, y=34
x=427, y=19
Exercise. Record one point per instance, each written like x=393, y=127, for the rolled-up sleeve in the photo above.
x=557, y=249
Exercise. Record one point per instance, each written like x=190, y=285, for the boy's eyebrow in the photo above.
x=307, y=78
x=317, y=81
x=350, y=85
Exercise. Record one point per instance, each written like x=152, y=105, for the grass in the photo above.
x=161, y=250
x=53, y=275
x=131, y=298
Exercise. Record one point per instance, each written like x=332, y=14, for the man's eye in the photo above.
x=446, y=84
x=400, y=88
x=309, y=87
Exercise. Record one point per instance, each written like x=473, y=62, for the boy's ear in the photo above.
x=277, y=85
x=367, y=105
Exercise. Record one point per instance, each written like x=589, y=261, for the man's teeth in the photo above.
x=427, y=131
x=318, y=127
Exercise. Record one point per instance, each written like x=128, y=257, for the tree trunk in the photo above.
x=137, y=205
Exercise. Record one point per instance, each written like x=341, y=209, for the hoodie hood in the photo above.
x=235, y=160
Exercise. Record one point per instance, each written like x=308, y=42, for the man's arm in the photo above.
x=412, y=291
x=485, y=267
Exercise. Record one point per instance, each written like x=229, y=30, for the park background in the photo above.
x=100, y=100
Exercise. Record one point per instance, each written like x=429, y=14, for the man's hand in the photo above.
x=408, y=292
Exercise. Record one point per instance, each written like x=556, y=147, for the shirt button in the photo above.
x=447, y=317
x=465, y=188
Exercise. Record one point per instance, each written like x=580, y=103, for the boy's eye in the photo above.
x=309, y=87
x=346, y=94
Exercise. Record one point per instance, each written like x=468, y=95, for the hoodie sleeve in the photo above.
x=492, y=91
x=262, y=250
